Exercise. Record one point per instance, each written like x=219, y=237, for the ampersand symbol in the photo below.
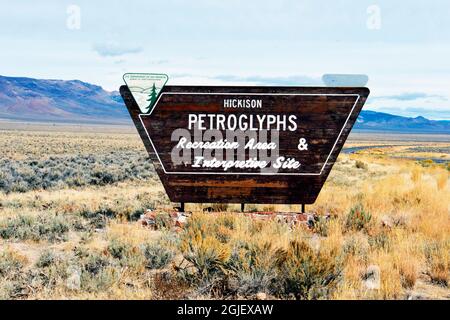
x=302, y=145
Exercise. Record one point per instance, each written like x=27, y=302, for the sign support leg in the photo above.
x=303, y=208
x=181, y=206
x=242, y=207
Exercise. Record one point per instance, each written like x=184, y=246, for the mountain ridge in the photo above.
x=53, y=100
x=380, y=121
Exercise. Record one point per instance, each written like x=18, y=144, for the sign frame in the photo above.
x=232, y=187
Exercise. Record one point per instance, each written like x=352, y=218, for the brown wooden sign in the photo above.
x=246, y=144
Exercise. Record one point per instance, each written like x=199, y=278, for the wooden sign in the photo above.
x=246, y=144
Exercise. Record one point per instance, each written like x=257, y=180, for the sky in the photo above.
x=402, y=46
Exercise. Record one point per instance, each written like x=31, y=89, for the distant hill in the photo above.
x=76, y=101
x=59, y=100
x=379, y=121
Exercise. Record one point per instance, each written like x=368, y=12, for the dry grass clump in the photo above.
x=442, y=180
x=157, y=256
x=358, y=218
x=11, y=274
x=361, y=165
x=225, y=256
x=438, y=262
x=307, y=274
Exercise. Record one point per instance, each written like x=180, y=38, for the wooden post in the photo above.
x=242, y=207
x=181, y=206
x=303, y=208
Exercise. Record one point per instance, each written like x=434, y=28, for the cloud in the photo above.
x=227, y=79
x=440, y=114
x=432, y=106
x=115, y=49
x=411, y=96
x=437, y=114
x=295, y=80
x=158, y=62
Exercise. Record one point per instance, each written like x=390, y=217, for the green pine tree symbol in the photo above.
x=152, y=97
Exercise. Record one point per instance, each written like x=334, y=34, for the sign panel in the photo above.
x=246, y=144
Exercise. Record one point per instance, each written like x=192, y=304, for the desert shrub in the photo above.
x=226, y=220
x=170, y=239
x=426, y=163
x=256, y=227
x=97, y=271
x=358, y=218
x=167, y=286
x=206, y=254
x=307, y=274
x=51, y=272
x=11, y=264
x=73, y=171
x=104, y=279
x=98, y=218
x=361, y=165
x=93, y=263
x=46, y=259
x=217, y=263
x=438, y=261
x=135, y=214
x=219, y=207
x=163, y=221
x=356, y=245
x=119, y=249
x=408, y=273
x=30, y=227
x=125, y=254
x=320, y=225
x=98, y=222
x=156, y=255
x=250, y=269
x=147, y=200
x=203, y=262
x=77, y=223
x=11, y=275
x=200, y=223
x=400, y=220
x=380, y=239
x=223, y=234
x=161, y=199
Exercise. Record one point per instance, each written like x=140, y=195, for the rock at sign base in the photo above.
x=261, y=296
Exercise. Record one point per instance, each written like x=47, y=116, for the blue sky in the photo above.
x=403, y=46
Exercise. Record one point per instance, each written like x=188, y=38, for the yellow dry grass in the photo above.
x=408, y=238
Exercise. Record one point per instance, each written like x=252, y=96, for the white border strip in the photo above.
x=252, y=94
